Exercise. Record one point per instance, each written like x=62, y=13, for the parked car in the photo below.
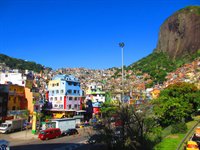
x=192, y=145
x=196, y=139
x=70, y=132
x=4, y=145
x=49, y=133
x=96, y=138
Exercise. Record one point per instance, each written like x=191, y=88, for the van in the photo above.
x=49, y=133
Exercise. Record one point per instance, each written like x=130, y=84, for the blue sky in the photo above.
x=83, y=33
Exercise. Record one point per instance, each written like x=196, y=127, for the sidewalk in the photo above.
x=23, y=135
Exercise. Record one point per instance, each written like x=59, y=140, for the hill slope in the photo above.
x=179, y=43
x=20, y=64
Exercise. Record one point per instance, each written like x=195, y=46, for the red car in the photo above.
x=49, y=133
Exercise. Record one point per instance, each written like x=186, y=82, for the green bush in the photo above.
x=179, y=128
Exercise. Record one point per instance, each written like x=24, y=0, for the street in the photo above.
x=27, y=141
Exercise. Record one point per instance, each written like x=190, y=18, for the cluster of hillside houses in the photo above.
x=23, y=93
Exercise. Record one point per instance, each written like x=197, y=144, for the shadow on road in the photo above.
x=59, y=146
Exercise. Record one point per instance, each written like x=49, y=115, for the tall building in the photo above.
x=64, y=95
x=3, y=101
x=17, y=102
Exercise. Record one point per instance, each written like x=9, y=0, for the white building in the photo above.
x=13, y=77
x=95, y=93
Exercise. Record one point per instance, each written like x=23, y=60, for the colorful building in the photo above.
x=64, y=95
x=17, y=103
x=3, y=101
x=96, y=95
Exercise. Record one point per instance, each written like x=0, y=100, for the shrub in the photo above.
x=179, y=128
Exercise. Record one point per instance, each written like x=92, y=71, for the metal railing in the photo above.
x=187, y=135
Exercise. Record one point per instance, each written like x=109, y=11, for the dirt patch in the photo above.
x=173, y=136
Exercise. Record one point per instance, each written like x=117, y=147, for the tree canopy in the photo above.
x=177, y=102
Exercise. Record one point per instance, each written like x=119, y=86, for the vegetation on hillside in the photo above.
x=158, y=65
x=191, y=9
x=20, y=64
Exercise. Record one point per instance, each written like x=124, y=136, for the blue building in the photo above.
x=64, y=95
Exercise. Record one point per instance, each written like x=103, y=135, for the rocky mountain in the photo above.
x=180, y=34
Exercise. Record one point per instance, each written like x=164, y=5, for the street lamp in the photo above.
x=121, y=44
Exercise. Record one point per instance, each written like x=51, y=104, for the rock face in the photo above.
x=180, y=34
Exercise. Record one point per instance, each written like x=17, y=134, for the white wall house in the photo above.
x=14, y=78
x=95, y=93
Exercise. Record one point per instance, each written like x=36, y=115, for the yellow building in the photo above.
x=16, y=100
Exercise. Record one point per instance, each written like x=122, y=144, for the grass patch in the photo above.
x=172, y=141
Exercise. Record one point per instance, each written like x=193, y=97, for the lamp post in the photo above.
x=121, y=44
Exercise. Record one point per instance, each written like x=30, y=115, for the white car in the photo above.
x=4, y=145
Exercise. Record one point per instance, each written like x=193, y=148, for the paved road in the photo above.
x=27, y=141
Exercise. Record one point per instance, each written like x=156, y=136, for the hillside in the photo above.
x=178, y=43
x=20, y=64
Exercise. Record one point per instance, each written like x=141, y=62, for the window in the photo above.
x=14, y=99
x=53, y=84
x=51, y=98
x=57, y=84
x=75, y=106
x=55, y=105
x=60, y=98
x=69, y=106
x=57, y=91
x=60, y=106
x=70, y=98
x=69, y=91
x=52, y=92
x=74, y=91
x=61, y=91
x=69, y=83
x=55, y=98
x=75, y=98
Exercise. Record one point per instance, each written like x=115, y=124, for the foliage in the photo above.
x=139, y=130
x=179, y=128
x=177, y=102
x=108, y=109
x=191, y=9
x=20, y=64
x=171, y=141
x=158, y=65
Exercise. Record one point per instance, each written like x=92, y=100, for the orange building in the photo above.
x=32, y=97
x=17, y=100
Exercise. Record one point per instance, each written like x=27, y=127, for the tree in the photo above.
x=176, y=103
x=139, y=130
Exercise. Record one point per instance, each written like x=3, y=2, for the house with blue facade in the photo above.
x=64, y=95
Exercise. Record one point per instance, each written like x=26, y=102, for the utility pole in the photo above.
x=121, y=44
